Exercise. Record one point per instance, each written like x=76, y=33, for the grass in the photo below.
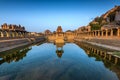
x=116, y=53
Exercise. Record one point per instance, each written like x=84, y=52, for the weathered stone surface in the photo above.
x=14, y=43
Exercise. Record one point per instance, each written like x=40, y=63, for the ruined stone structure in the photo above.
x=59, y=29
x=14, y=31
x=47, y=32
x=107, y=31
x=69, y=35
x=12, y=27
x=103, y=53
x=60, y=36
x=84, y=29
x=13, y=36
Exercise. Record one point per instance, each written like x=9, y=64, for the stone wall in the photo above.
x=14, y=43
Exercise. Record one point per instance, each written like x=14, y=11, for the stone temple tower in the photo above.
x=59, y=35
x=59, y=29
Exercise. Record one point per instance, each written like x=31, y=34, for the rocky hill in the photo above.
x=111, y=17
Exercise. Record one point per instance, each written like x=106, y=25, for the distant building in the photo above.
x=84, y=29
x=12, y=27
x=36, y=34
x=89, y=28
x=47, y=32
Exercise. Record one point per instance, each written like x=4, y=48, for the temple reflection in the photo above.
x=59, y=49
x=100, y=54
x=13, y=55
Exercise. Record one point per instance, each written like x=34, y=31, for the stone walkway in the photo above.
x=11, y=40
x=111, y=42
x=101, y=45
x=12, y=47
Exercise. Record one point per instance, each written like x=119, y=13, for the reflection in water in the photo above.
x=102, y=55
x=41, y=64
x=13, y=55
x=59, y=51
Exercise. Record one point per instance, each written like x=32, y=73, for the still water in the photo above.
x=53, y=62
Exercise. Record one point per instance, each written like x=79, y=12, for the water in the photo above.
x=53, y=62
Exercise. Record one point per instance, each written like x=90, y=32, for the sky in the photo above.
x=39, y=15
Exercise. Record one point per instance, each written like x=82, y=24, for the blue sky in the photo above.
x=39, y=15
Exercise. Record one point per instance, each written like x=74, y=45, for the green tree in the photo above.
x=95, y=26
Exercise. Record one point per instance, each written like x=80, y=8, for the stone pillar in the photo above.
x=102, y=33
x=110, y=57
x=95, y=33
x=7, y=34
x=97, y=52
x=92, y=34
x=100, y=53
x=89, y=34
x=111, y=32
x=105, y=55
x=118, y=32
x=98, y=33
x=106, y=33
x=88, y=52
x=116, y=60
x=2, y=35
x=14, y=34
